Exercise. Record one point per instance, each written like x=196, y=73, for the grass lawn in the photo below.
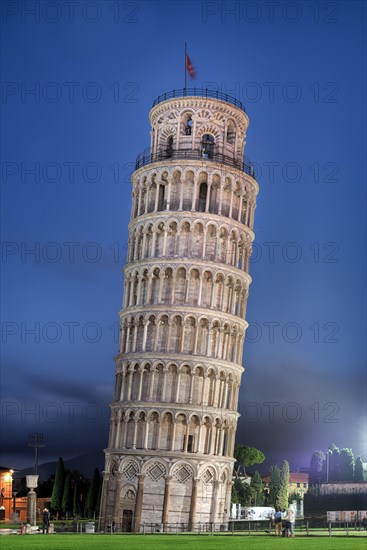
x=186, y=542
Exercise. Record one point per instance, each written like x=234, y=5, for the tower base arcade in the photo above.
x=165, y=493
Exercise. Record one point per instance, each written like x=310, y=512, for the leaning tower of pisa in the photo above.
x=182, y=325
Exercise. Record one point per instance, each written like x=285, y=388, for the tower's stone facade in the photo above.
x=179, y=366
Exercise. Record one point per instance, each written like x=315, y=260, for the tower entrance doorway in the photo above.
x=127, y=521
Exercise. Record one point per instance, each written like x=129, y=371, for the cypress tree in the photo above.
x=281, y=501
x=257, y=489
x=92, y=495
x=274, y=485
x=316, y=468
x=66, y=504
x=346, y=465
x=334, y=454
x=58, y=488
x=358, y=469
x=76, y=500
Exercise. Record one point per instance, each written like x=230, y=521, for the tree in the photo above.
x=333, y=457
x=235, y=499
x=242, y=492
x=77, y=509
x=246, y=456
x=281, y=501
x=92, y=495
x=44, y=489
x=66, y=504
x=358, y=469
x=294, y=497
x=58, y=488
x=346, y=465
x=257, y=488
x=316, y=468
x=274, y=485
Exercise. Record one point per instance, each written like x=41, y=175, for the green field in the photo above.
x=186, y=542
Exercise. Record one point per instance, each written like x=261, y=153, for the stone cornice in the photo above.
x=210, y=166
x=194, y=360
x=188, y=263
x=180, y=215
x=156, y=309
x=197, y=103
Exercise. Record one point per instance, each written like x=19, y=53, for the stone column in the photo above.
x=139, y=502
x=147, y=199
x=141, y=372
x=173, y=435
x=138, y=292
x=123, y=383
x=151, y=385
x=165, y=237
x=193, y=503
x=231, y=204
x=119, y=483
x=240, y=208
x=204, y=401
x=207, y=202
x=145, y=333
x=165, y=371
x=102, y=513
x=178, y=380
x=166, y=502
x=131, y=294
x=32, y=482
x=220, y=198
x=196, y=328
x=146, y=434
x=181, y=196
x=124, y=438
x=191, y=386
x=187, y=436
x=135, y=336
x=156, y=197
x=194, y=195
x=221, y=440
x=200, y=289
x=135, y=433
x=199, y=436
x=227, y=504
x=213, y=511
x=139, y=200
x=129, y=385
x=161, y=283
x=169, y=193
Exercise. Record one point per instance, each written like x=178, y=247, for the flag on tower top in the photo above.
x=190, y=67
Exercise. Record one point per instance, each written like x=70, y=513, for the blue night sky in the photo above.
x=301, y=74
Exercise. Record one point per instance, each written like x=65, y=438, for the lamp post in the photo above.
x=36, y=441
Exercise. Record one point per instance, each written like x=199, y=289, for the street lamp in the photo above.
x=327, y=466
x=36, y=441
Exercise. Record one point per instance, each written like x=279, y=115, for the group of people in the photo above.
x=284, y=522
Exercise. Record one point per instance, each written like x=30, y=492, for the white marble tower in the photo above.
x=179, y=366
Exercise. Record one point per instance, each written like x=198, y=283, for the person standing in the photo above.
x=45, y=521
x=291, y=516
x=278, y=522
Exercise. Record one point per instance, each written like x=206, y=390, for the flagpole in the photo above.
x=185, y=69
